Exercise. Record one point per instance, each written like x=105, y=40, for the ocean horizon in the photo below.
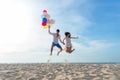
x=65, y=62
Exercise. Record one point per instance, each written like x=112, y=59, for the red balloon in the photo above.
x=45, y=11
x=44, y=23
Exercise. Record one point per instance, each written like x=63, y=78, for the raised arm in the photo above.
x=49, y=30
x=74, y=37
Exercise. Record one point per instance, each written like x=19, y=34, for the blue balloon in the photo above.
x=44, y=20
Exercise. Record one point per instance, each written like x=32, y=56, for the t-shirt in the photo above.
x=68, y=42
x=55, y=37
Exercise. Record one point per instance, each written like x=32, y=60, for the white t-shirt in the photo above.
x=55, y=37
x=68, y=42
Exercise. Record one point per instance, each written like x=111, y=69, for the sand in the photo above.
x=59, y=71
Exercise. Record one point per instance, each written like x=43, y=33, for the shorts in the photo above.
x=68, y=45
x=56, y=44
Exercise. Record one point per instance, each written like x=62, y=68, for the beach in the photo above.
x=61, y=71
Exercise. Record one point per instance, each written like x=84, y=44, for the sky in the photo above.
x=24, y=40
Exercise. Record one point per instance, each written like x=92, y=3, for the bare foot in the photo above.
x=72, y=51
x=50, y=54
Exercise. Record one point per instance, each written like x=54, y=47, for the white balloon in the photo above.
x=52, y=21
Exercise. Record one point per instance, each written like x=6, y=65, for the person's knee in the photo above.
x=61, y=49
x=68, y=50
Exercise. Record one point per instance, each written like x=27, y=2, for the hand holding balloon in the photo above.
x=46, y=21
x=48, y=26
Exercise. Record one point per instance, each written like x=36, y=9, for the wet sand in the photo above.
x=59, y=71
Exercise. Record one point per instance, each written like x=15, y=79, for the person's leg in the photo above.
x=67, y=49
x=58, y=45
x=71, y=50
x=59, y=51
x=51, y=49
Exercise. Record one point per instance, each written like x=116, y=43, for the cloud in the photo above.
x=26, y=35
x=24, y=27
x=88, y=46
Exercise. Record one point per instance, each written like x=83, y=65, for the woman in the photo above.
x=68, y=44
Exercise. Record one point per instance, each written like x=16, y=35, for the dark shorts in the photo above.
x=56, y=44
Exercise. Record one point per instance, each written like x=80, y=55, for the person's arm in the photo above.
x=49, y=30
x=64, y=40
x=74, y=37
x=61, y=40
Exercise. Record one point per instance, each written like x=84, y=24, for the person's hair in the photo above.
x=66, y=34
x=58, y=30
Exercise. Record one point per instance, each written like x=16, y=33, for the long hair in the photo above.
x=66, y=34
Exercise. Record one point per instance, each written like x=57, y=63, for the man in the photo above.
x=56, y=37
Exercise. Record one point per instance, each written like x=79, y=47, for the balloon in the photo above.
x=52, y=21
x=44, y=19
x=44, y=23
x=47, y=16
x=45, y=27
x=45, y=11
x=48, y=21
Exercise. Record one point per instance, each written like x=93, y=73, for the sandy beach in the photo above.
x=59, y=71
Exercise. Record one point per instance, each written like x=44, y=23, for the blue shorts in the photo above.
x=56, y=44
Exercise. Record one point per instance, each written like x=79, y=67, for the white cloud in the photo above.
x=21, y=30
x=92, y=46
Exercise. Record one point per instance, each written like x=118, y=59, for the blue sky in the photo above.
x=95, y=22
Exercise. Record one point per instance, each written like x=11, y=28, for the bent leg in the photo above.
x=72, y=50
x=59, y=46
x=59, y=51
x=69, y=50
